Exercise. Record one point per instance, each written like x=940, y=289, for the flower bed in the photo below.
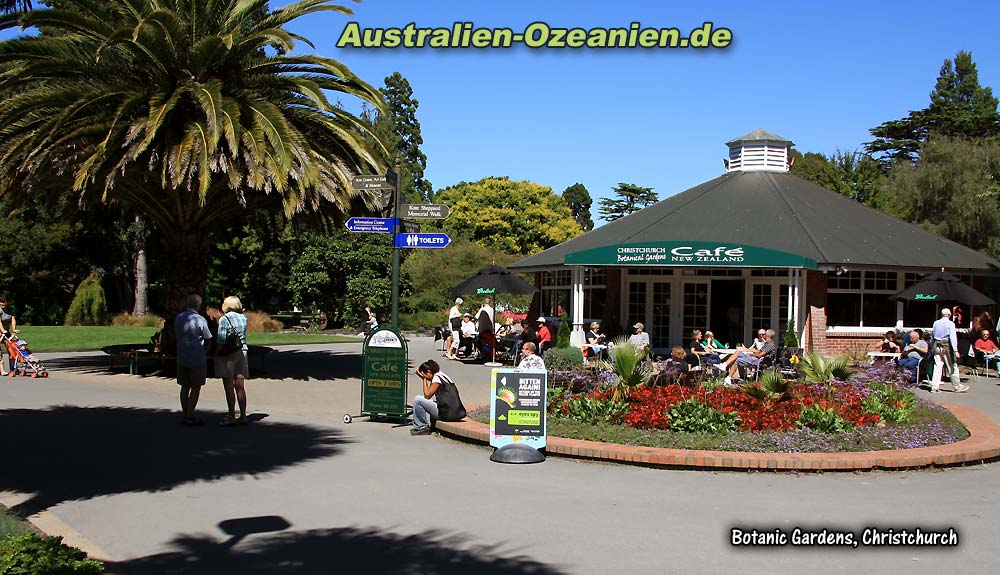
x=871, y=409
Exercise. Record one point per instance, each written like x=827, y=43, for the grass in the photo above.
x=84, y=338
x=11, y=524
x=929, y=426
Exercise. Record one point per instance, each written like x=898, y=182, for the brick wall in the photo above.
x=816, y=324
x=839, y=343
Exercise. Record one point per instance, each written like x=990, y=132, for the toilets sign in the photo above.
x=694, y=254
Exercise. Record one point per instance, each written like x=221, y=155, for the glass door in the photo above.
x=695, y=308
x=658, y=325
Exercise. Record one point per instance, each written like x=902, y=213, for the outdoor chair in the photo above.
x=753, y=371
x=784, y=361
x=441, y=334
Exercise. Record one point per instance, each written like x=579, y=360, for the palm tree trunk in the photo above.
x=140, y=307
x=189, y=254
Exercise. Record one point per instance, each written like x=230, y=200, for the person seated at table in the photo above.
x=748, y=356
x=714, y=345
x=640, y=338
x=680, y=358
x=469, y=335
x=507, y=329
x=544, y=336
x=526, y=335
x=987, y=347
x=913, y=353
x=597, y=342
x=889, y=344
x=700, y=350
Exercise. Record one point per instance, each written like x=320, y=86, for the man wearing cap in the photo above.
x=455, y=323
x=543, y=335
x=640, y=338
x=945, y=342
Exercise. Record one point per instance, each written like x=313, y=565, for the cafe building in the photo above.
x=756, y=247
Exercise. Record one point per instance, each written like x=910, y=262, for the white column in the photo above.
x=577, y=337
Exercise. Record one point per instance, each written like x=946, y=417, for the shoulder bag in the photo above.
x=449, y=403
x=233, y=342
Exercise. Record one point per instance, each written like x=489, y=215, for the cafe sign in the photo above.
x=383, y=387
x=693, y=254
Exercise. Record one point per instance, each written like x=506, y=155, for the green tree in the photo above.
x=89, y=306
x=959, y=107
x=508, y=216
x=432, y=274
x=579, y=201
x=401, y=117
x=629, y=198
x=189, y=112
x=954, y=191
x=340, y=272
x=853, y=174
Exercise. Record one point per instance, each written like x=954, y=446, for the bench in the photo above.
x=135, y=354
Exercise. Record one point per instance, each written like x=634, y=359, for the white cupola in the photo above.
x=759, y=151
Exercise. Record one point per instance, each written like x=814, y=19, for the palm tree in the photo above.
x=190, y=112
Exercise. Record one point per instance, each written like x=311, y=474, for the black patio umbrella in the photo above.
x=943, y=287
x=491, y=280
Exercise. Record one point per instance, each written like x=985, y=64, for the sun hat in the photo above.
x=459, y=301
x=639, y=325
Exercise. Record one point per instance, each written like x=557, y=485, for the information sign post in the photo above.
x=517, y=415
x=383, y=385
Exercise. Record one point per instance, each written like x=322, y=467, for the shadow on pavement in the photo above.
x=67, y=453
x=297, y=364
x=325, y=551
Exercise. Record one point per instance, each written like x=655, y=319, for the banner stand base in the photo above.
x=517, y=453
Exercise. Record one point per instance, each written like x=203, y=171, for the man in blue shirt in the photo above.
x=192, y=332
x=945, y=341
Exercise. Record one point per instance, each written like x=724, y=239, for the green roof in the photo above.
x=777, y=211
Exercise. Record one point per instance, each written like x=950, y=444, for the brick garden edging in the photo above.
x=983, y=444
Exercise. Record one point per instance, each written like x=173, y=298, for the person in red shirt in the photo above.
x=987, y=345
x=544, y=336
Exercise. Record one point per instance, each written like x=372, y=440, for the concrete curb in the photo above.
x=982, y=445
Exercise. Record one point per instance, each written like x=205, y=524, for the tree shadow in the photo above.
x=68, y=453
x=324, y=551
x=296, y=364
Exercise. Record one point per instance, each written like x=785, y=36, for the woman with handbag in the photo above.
x=231, y=358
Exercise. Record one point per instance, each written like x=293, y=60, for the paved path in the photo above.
x=101, y=456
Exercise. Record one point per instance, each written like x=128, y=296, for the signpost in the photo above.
x=371, y=225
x=367, y=182
x=425, y=211
x=421, y=240
x=383, y=385
x=517, y=414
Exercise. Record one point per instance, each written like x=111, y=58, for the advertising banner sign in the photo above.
x=517, y=407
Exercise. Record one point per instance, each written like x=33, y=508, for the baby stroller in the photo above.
x=22, y=359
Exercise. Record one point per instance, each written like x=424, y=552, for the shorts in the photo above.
x=191, y=376
x=232, y=366
x=745, y=359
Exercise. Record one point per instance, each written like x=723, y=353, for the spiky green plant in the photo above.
x=819, y=369
x=775, y=384
x=630, y=368
x=191, y=112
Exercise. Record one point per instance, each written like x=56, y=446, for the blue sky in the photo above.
x=818, y=73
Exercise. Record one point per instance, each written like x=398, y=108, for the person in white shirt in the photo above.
x=455, y=325
x=468, y=336
x=529, y=359
x=640, y=338
x=945, y=348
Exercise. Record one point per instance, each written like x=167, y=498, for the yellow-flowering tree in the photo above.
x=508, y=216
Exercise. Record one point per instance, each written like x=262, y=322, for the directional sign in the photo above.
x=410, y=227
x=371, y=183
x=427, y=211
x=371, y=225
x=422, y=240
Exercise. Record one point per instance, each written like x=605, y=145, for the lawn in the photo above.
x=11, y=524
x=82, y=338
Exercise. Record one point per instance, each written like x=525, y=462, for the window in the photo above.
x=556, y=292
x=595, y=293
x=862, y=298
x=761, y=307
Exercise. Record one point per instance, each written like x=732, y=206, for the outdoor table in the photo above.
x=876, y=355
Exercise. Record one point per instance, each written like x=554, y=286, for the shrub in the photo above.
x=563, y=358
x=417, y=320
x=825, y=419
x=790, y=339
x=889, y=403
x=693, y=416
x=563, y=333
x=129, y=320
x=818, y=369
x=38, y=555
x=260, y=322
x=629, y=367
x=89, y=306
x=593, y=410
